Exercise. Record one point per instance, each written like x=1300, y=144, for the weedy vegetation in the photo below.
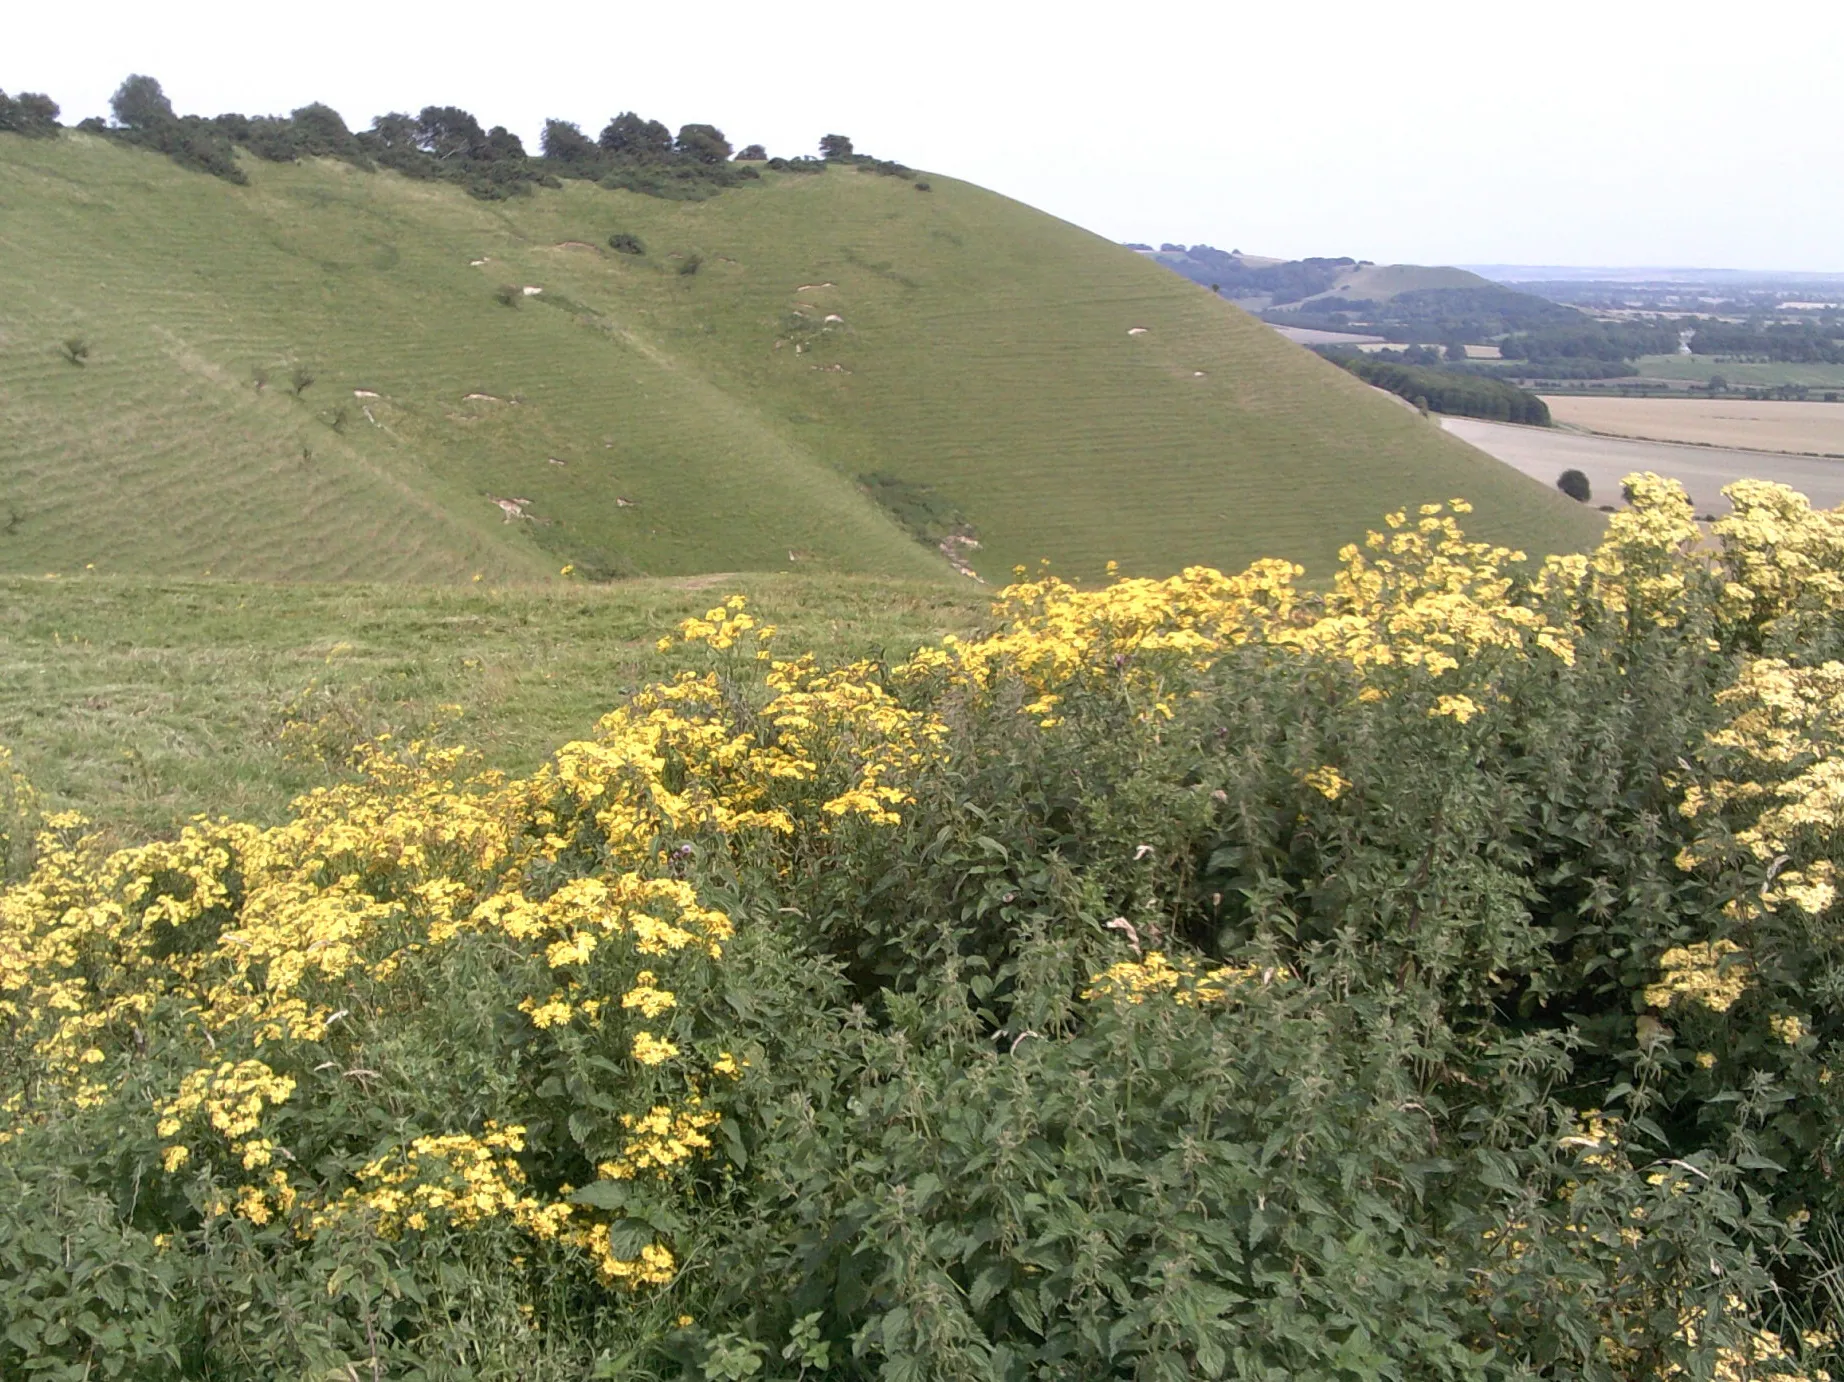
x=1431, y=974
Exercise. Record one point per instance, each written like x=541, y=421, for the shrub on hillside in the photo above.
x=30, y=113
x=623, y=243
x=1575, y=484
x=1431, y=975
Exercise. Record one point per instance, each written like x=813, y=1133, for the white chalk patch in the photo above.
x=621, y=503
x=553, y=460
x=834, y=317
x=810, y=287
x=1136, y=331
x=530, y=291
x=1197, y=374
x=476, y=263
x=365, y=393
x=481, y=398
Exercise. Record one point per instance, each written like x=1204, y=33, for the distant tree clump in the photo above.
x=1575, y=484
x=144, y=116
x=30, y=113
x=623, y=243
x=1445, y=391
x=441, y=142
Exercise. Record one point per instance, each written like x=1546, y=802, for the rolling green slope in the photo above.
x=1381, y=282
x=1071, y=400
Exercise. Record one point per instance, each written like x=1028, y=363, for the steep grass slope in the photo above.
x=1070, y=400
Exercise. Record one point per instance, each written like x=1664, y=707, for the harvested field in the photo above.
x=1544, y=453
x=1802, y=428
x=1311, y=336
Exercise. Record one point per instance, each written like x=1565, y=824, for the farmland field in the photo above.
x=1544, y=453
x=1697, y=369
x=1815, y=429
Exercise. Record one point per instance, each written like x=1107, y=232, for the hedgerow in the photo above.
x=1435, y=975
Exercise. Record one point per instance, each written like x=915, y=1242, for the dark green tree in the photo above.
x=29, y=113
x=319, y=130
x=393, y=133
x=629, y=136
x=702, y=144
x=1574, y=484
x=753, y=153
x=140, y=105
x=502, y=145
x=447, y=133
x=566, y=143
x=835, y=146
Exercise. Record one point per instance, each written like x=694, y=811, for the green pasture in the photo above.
x=145, y=702
x=1072, y=400
x=1697, y=369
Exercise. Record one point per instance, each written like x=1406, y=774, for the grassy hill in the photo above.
x=1381, y=282
x=1065, y=398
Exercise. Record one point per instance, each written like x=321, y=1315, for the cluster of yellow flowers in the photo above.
x=247, y=946
x=1786, y=730
x=1708, y=973
x=1185, y=982
x=243, y=946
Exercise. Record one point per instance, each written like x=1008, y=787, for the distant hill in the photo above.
x=1382, y=282
x=806, y=371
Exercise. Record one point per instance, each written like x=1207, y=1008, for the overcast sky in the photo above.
x=1561, y=133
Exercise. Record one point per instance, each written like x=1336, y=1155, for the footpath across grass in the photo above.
x=145, y=702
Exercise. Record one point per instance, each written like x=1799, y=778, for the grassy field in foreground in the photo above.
x=1069, y=399
x=143, y=703
x=1802, y=428
x=1697, y=369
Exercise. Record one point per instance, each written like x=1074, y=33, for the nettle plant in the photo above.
x=1431, y=974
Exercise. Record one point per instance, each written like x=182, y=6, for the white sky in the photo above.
x=1477, y=132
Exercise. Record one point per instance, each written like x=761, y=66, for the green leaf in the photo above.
x=626, y=1237
x=603, y=1194
x=733, y=1143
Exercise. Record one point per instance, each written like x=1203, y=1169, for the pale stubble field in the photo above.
x=1810, y=429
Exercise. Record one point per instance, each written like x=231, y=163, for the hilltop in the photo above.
x=804, y=372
